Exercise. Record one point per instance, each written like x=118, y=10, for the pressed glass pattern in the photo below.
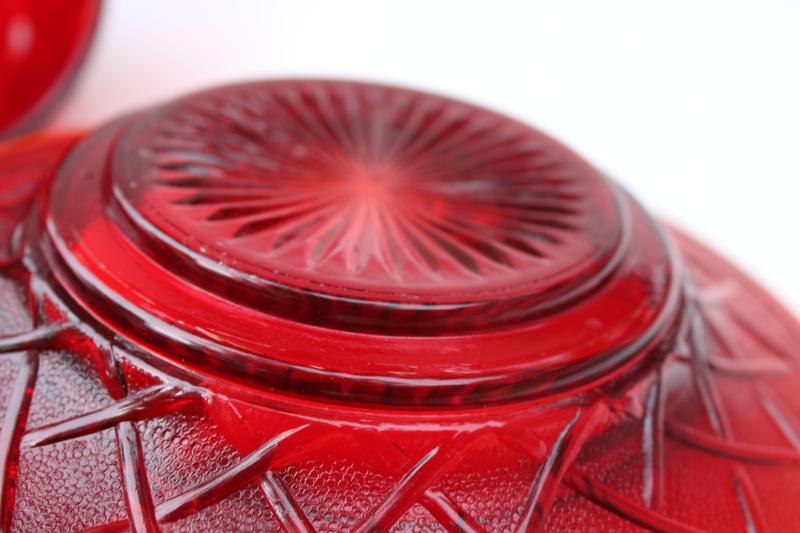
x=318, y=306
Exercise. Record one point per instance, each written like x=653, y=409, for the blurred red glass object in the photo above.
x=42, y=45
x=318, y=305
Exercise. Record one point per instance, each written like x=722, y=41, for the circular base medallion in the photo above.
x=405, y=244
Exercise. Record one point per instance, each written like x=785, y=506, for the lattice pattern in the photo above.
x=419, y=480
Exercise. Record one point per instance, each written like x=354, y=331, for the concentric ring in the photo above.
x=366, y=200
x=150, y=231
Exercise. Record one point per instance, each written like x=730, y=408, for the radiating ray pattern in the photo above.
x=343, y=178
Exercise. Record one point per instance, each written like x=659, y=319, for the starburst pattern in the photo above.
x=365, y=182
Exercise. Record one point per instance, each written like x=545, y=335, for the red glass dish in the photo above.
x=318, y=306
x=42, y=45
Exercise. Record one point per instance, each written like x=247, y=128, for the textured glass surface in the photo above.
x=329, y=306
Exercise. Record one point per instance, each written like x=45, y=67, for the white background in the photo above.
x=693, y=105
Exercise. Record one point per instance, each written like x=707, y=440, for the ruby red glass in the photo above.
x=42, y=44
x=331, y=306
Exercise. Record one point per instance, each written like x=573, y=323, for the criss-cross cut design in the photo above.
x=419, y=481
